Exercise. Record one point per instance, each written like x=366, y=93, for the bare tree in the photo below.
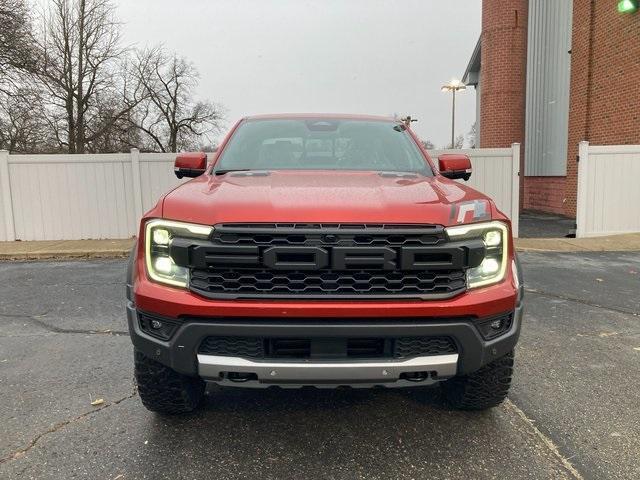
x=22, y=125
x=428, y=145
x=472, y=136
x=17, y=49
x=73, y=87
x=79, y=57
x=169, y=116
x=117, y=133
x=458, y=143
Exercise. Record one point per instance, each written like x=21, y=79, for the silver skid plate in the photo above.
x=373, y=372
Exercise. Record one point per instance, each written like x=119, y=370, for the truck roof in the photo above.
x=345, y=116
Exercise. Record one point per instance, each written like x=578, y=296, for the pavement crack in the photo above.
x=54, y=329
x=83, y=331
x=542, y=293
x=19, y=315
x=21, y=452
x=547, y=442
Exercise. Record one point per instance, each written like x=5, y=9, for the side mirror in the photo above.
x=454, y=166
x=190, y=164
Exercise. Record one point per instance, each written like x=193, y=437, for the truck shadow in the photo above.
x=307, y=399
x=311, y=433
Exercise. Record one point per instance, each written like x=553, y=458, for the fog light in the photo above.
x=161, y=328
x=496, y=324
x=494, y=327
x=164, y=265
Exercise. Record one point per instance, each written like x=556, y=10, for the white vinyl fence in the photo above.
x=69, y=197
x=608, y=192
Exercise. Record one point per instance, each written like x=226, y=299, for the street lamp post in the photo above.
x=453, y=86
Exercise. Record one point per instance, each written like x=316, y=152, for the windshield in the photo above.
x=322, y=144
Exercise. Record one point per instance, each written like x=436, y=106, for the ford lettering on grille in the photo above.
x=327, y=262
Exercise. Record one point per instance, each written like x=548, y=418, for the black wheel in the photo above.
x=164, y=390
x=483, y=389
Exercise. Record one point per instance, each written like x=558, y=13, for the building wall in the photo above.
x=503, y=74
x=544, y=194
x=604, y=105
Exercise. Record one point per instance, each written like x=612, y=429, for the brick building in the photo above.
x=549, y=74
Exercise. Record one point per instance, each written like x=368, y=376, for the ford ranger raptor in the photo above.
x=326, y=251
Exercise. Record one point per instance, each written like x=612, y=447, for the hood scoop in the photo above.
x=251, y=173
x=397, y=175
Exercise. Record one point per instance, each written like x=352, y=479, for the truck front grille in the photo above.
x=262, y=282
x=325, y=261
x=326, y=348
x=407, y=347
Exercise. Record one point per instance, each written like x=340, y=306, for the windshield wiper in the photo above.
x=230, y=170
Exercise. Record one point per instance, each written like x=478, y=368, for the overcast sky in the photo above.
x=351, y=56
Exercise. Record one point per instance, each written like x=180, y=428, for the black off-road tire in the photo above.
x=486, y=388
x=165, y=391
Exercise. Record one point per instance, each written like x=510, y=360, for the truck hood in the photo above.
x=322, y=197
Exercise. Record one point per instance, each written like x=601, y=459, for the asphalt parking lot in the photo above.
x=574, y=410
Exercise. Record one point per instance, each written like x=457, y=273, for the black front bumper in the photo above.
x=180, y=353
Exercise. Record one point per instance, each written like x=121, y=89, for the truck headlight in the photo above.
x=158, y=237
x=495, y=236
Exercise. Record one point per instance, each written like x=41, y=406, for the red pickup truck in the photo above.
x=323, y=250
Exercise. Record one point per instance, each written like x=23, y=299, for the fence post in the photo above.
x=515, y=188
x=583, y=194
x=137, y=186
x=5, y=193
